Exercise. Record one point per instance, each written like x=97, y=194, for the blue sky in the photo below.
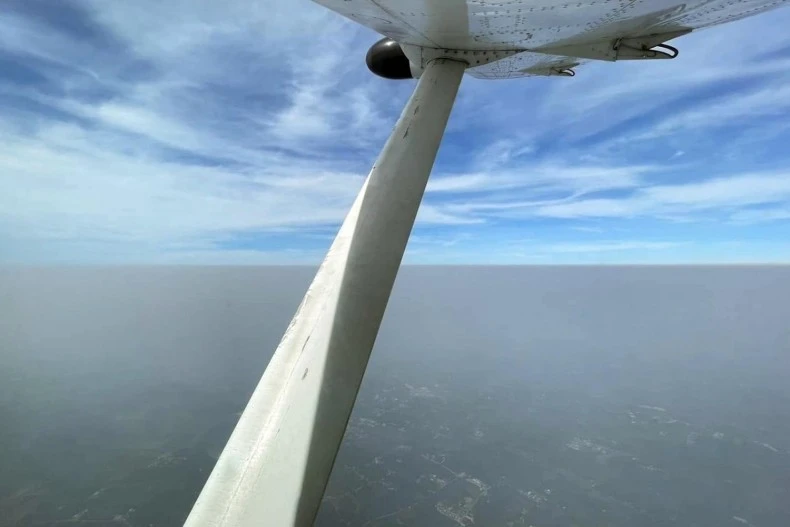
x=239, y=131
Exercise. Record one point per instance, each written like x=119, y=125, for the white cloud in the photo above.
x=736, y=191
x=607, y=246
x=578, y=180
x=723, y=195
x=72, y=189
x=433, y=216
x=584, y=228
x=470, y=182
x=594, y=208
x=732, y=110
x=191, y=123
x=750, y=216
x=168, y=161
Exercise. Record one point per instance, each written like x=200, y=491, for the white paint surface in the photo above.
x=274, y=469
x=548, y=34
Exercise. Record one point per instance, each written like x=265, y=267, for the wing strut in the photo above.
x=276, y=464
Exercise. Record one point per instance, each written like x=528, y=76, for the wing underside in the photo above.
x=550, y=36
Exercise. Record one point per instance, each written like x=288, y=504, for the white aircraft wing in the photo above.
x=545, y=37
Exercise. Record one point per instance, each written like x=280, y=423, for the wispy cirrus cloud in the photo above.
x=724, y=196
x=608, y=246
x=240, y=131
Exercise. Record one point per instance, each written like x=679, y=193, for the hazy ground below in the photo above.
x=500, y=396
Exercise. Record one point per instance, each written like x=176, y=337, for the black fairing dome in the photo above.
x=386, y=59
